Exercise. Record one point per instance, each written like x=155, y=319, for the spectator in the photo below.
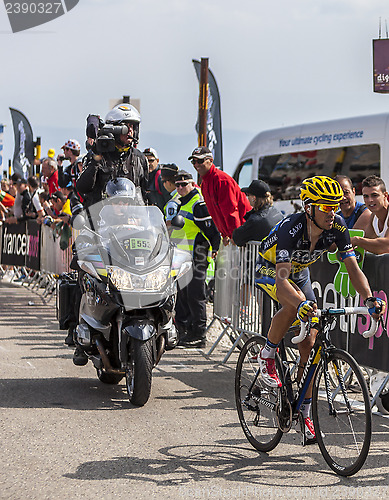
x=6, y=201
x=44, y=201
x=5, y=185
x=198, y=236
x=226, y=203
x=73, y=202
x=355, y=213
x=71, y=152
x=58, y=200
x=376, y=238
x=168, y=173
x=25, y=199
x=156, y=193
x=263, y=216
x=35, y=209
x=50, y=172
x=13, y=191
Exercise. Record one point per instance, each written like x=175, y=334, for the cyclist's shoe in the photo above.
x=309, y=431
x=268, y=372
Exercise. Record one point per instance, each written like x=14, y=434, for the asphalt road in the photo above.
x=66, y=435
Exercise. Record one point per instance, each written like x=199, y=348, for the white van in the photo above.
x=356, y=147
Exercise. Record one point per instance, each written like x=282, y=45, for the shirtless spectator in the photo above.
x=375, y=196
x=355, y=213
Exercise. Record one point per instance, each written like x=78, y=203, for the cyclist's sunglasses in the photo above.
x=199, y=162
x=327, y=208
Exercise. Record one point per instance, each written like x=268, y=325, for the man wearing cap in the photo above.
x=263, y=216
x=71, y=152
x=198, y=235
x=156, y=193
x=226, y=203
x=168, y=174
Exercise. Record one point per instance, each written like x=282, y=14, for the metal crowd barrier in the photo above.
x=52, y=262
x=237, y=303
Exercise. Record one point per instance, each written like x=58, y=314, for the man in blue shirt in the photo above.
x=355, y=213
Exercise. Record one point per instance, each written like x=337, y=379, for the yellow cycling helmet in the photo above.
x=322, y=188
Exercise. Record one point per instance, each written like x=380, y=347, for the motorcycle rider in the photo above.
x=124, y=194
x=125, y=161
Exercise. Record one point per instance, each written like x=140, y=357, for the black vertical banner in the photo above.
x=24, y=145
x=381, y=65
x=214, y=121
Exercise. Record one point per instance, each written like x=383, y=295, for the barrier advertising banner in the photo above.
x=373, y=352
x=14, y=244
x=21, y=245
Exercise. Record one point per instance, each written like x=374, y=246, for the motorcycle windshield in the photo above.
x=129, y=246
x=134, y=236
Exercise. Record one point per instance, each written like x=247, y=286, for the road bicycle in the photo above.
x=340, y=400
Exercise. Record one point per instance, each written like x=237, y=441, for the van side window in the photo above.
x=284, y=172
x=243, y=174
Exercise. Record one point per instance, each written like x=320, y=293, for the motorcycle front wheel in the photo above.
x=138, y=376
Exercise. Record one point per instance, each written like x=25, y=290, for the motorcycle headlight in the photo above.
x=151, y=282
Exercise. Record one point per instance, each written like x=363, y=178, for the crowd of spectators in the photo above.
x=237, y=215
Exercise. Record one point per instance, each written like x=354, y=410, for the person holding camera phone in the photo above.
x=71, y=152
x=112, y=154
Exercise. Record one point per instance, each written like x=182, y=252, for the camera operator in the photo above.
x=112, y=154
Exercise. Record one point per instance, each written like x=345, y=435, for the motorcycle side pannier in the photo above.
x=66, y=296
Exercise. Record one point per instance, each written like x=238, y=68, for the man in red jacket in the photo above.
x=225, y=201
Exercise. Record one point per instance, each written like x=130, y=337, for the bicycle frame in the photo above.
x=321, y=346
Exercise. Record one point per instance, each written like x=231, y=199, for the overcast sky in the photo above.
x=276, y=63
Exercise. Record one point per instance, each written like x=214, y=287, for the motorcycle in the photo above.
x=130, y=273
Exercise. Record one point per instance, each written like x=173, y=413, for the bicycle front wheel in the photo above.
x=343, y=429
x=255, y=401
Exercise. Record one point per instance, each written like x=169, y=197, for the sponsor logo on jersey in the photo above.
x=295, y=229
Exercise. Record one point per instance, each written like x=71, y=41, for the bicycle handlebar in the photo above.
x=347, y=311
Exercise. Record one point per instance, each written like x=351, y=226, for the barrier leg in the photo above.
x=218, y=340
x=378, y=392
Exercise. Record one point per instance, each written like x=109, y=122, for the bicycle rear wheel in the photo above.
x=343, y=436
x=255, y=401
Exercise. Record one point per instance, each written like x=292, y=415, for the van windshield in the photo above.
x=284, y=172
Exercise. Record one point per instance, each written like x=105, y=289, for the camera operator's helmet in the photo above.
x=122, y=114
x=121, y=186
x=322, y=189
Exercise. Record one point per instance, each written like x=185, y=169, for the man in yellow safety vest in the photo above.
x=198, y=236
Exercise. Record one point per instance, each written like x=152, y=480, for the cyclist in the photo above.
x=282, y=272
